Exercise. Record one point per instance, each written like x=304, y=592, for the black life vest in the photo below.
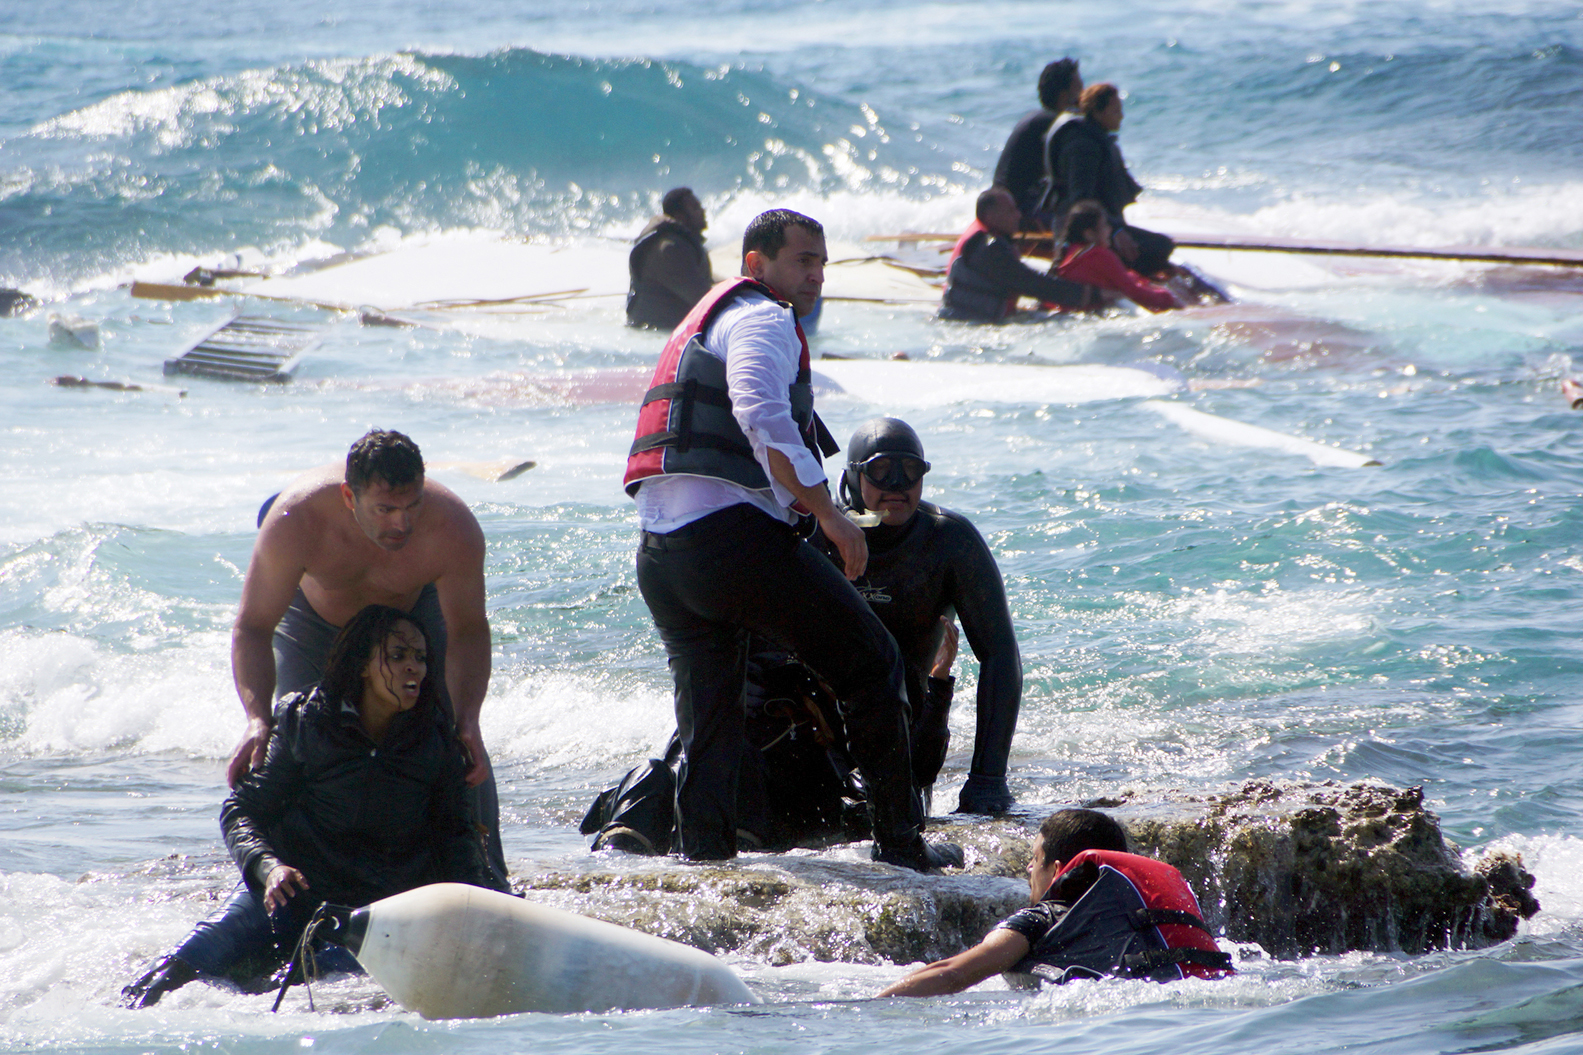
x=1138, y=919
x=685, y=424
x=969, y=294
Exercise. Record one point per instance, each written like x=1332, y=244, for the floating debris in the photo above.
x=74, y=332
x=248, y=348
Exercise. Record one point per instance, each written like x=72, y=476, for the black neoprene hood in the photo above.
x=876, y=436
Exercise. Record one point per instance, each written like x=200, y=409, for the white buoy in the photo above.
x=455, y=951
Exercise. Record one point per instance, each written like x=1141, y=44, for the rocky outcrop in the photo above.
x=1297, y=869
x=1304, y=869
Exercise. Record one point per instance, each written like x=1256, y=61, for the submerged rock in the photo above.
x=1297, y=869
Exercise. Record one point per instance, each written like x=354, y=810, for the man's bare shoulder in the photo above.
x=304, y=506
x=455, y=528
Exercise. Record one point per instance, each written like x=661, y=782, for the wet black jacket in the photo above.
x=670, y=272
x=1088, y=164
x=937, y=564
x=360, y=820
x=1021, y=165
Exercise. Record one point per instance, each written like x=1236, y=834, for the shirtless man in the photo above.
x=333, y=542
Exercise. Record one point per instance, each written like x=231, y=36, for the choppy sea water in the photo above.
x=1190, y=614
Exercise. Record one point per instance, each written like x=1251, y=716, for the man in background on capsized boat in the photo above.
x=669, y=264
x=1088, y=165
x=1096, y=911
x=927, y=567
x=986, y=275
x=1024, y=167
x=339, y=539
x=724, y=467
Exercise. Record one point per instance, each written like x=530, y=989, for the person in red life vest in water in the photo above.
x=1086, y=256
x=986, y=275
x=724, y=466
x=1097, y=911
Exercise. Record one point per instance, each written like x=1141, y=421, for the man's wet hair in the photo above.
x=1055, y=79
x=357, y=643
x=1067, y=833
x=675, y=198
x=387, y=455
x=1083, y=218
x=1096, y=97
x=767, y=232
x=986, y=201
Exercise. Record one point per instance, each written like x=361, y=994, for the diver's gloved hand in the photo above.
x=983, y=794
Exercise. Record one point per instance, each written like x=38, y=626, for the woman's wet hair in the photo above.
x=357, y=643
x=1067, y=833
x=1083, y=218
x=1096, y=97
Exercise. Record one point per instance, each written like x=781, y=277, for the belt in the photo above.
x=708, y=529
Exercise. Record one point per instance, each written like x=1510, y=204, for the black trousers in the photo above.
x=737, y=572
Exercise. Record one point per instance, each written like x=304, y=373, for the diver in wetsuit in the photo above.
x=927, y=567
x=928, y=564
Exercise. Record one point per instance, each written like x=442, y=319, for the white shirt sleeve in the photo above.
x=758, y=340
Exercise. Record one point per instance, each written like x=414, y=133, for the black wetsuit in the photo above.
x=989, y=272
x=670, y=271
x=937, y=564
x=1088, y=167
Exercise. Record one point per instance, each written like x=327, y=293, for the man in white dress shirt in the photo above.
x=725, y=465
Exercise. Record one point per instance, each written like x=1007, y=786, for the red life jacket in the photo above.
x=685, y=425
x=1137, y=918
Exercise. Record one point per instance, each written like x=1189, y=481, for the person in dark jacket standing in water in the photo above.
x=986, y=275
x=669, y=264
x=361, y=796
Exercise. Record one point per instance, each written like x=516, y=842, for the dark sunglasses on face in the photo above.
x=893, y=472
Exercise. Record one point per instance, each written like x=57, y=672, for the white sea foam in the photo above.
x=554, y=719
x=1556, y=863
x=68, y=695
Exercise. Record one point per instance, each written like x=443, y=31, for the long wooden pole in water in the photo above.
x=1473, y=255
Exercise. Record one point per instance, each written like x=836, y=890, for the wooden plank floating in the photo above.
x=248, y=348
x=1526, y=256
x=1462, y=254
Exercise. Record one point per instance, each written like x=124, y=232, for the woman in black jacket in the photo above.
x=360, y=797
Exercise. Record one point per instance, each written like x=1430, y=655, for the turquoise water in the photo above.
x=1190, y=614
